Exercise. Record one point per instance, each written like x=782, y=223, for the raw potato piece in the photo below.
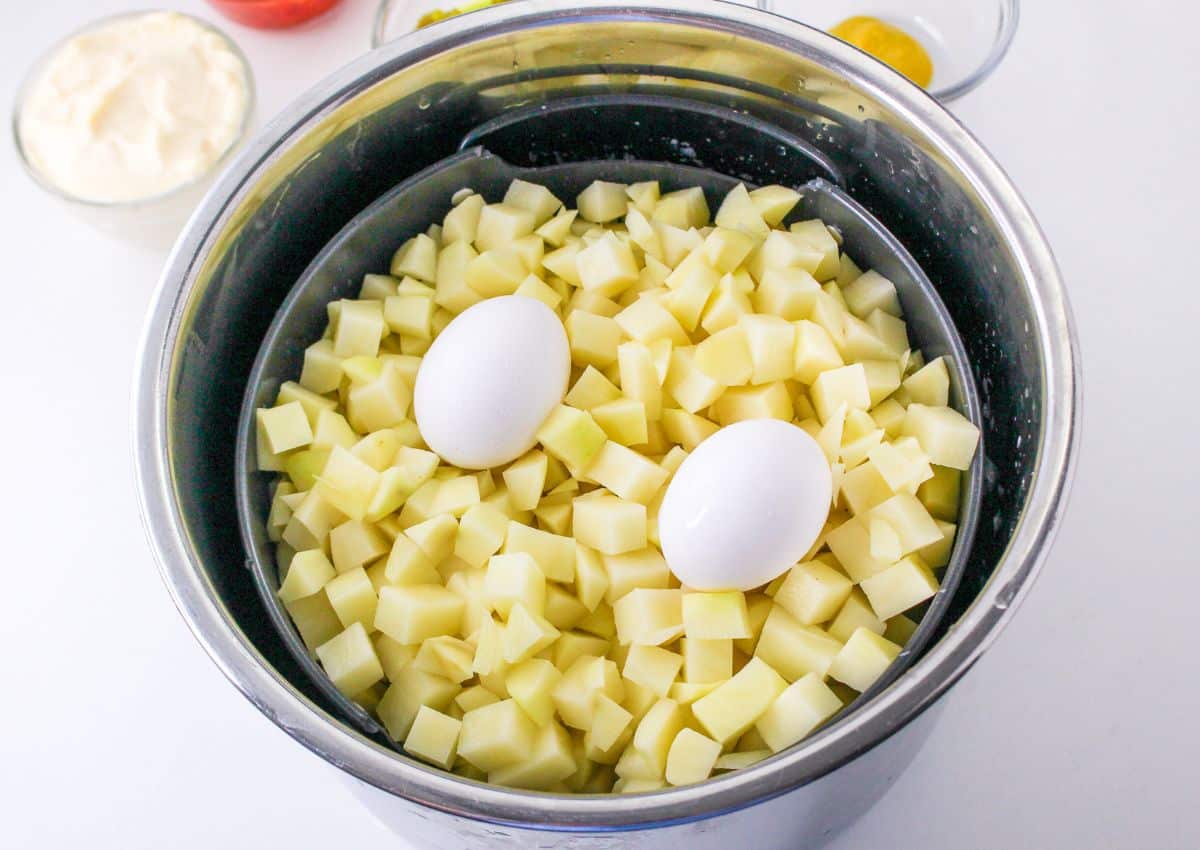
x=735, y=705
x=691, y=757
x=863, y=659
x=716, y=616
x=806, y=704
x=900, y=587
x=433, y=737
x=609, y=524
x=948, y=437
x=350, y=660
x=497, y=735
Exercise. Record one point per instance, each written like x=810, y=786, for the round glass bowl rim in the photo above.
x=1006, y=30
x=33, y=75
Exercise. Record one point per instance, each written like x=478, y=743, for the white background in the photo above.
x=1079, y=730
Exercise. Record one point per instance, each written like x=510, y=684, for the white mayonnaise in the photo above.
x=134, y=108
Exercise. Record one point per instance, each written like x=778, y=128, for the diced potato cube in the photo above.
x=572, y=645
x=643, y=568
x=885, y=542
x=891, y=332
x=526, y=634
x=643, y=196
x=900, y=629
x=846, y=385
x=308, y=573
x=602, y=201
x=347, y=483
x=726, y=306
x=285, y=427
x=452, y=291
x=350, y=661
x=691, y=284
x=929, y=385
x=433, y=737
x=649, y=616
x=591, y=577
x=312, y=403
x=889, y=415
x=461, y=222
x=591, y=390
x=901, y=464
x=554, y=554
x=639, y=377
x=435, y=536
x=813, y=592
x=940, y=494
x=549, y=762
x=766, y=401
x=445, y=656
x=563, y=608
x=691, y=757
x=410, y=690
x=653, y=736
x=353, y=598
x=855, y=614
x=871, y=291
x=758, y=606
x=322, y=371
x=883, y=378
x=572, y=436
x=310, y=523
x=816, y=352
x=593, y=339
x=652, y=667
x=607, y=266
x=647, y=320
x=314, y=618
x=774, y=202
x=788, y=293
x=725, y=249
x=683, y=208
x=496, y=272
x=781, y=250
x=863, y=488
x=497, y=735
x=416, y=258
x=481, y=532
x=475, y=696
x=624, y=420
x=734, y=706
x=691, y=388
x=899, y=587
x=687, y=429
x=772, y=343
x=525, y=477
x=609, y=524
x=905, y=513
x=393, y=656
x=331, y=430
x=512, y=579
x=714, y=616
x=531, y=684
x=534, y=198
x=686, y=693
x=562, y=263
x=409, y=614
x=793, y=648
x=626, y=473
x=411, y=315
x=806, y=704
x=555, y=231
x=938, y=554
x=587, y=676
x=534, y=287
x=501, y=224
x=454, y=497
x=738, y=212
x=360, y=327
x=814, y=233
x=863, y=659
x=725, y=357
x=407, y=564
x=945, y=435
x=609, y=722
x=382, y=403
x=707, y=661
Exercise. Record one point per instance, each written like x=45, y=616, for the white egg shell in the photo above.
x=490, y=379
x=745, y=506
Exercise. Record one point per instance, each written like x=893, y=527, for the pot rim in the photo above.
x=397, y=774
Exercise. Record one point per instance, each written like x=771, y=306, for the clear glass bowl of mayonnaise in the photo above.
x=128, y=119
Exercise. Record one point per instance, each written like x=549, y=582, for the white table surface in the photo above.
x=1078, y=730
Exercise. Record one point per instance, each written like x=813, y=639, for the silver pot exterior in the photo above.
x=409, y=104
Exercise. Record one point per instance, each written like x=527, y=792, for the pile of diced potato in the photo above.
x=520, y=625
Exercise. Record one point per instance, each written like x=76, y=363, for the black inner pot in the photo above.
x=906, y=190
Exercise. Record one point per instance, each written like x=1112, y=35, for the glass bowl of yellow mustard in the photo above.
x=946, y=46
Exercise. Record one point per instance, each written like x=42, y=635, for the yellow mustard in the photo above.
x=889, y=44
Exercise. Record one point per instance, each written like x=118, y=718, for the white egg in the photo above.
x=490, y=379
x=745, y=506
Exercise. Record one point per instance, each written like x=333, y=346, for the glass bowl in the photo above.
x=156, y=219
x=966, y=39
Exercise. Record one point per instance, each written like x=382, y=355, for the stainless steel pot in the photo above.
x=409, y=104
